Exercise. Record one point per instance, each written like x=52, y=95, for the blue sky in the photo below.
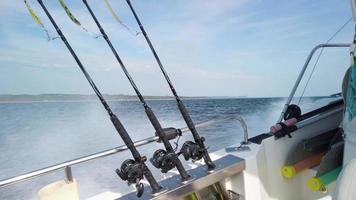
x=209, y=47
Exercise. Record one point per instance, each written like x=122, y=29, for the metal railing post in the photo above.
x=301, y=74
x=68, y=174
x=244, y=126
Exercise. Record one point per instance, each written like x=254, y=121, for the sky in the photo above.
x=252, y=48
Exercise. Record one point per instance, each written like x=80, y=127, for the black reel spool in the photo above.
x=163, y=160
x=191, y=150
x=132, y=172
x=293, y=111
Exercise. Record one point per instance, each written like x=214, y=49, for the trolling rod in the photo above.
x=190, y=150
x=162, y=159
x=131, y=171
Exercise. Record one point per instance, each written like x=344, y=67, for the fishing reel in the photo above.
x=170, y=133
x=293, y=111
x=163, y=160
x=191, y=150
x=132, y=172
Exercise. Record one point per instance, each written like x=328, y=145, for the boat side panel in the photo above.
x=276, y=152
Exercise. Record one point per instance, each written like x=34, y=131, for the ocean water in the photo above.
x=37, y=135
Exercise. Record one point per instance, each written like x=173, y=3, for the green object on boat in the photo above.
x=191, y=196
x=330, y=176
x=351, y=92
x=319, y=183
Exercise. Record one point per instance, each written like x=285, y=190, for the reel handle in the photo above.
x=140, y=189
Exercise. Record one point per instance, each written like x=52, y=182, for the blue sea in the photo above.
x=40, y=134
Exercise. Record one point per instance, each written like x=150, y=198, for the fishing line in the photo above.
x=76, y=21
x=176, y=143
x=319, y=55
x=38, y=21
x=118, y=19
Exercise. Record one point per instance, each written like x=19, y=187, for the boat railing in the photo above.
x=66, y=166
x=305, y=66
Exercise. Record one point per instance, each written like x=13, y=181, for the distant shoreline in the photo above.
x=94, y=100
x=52, y=98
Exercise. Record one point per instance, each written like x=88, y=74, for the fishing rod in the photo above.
x=190, y=150
x=164, y=160
x=131, y=171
